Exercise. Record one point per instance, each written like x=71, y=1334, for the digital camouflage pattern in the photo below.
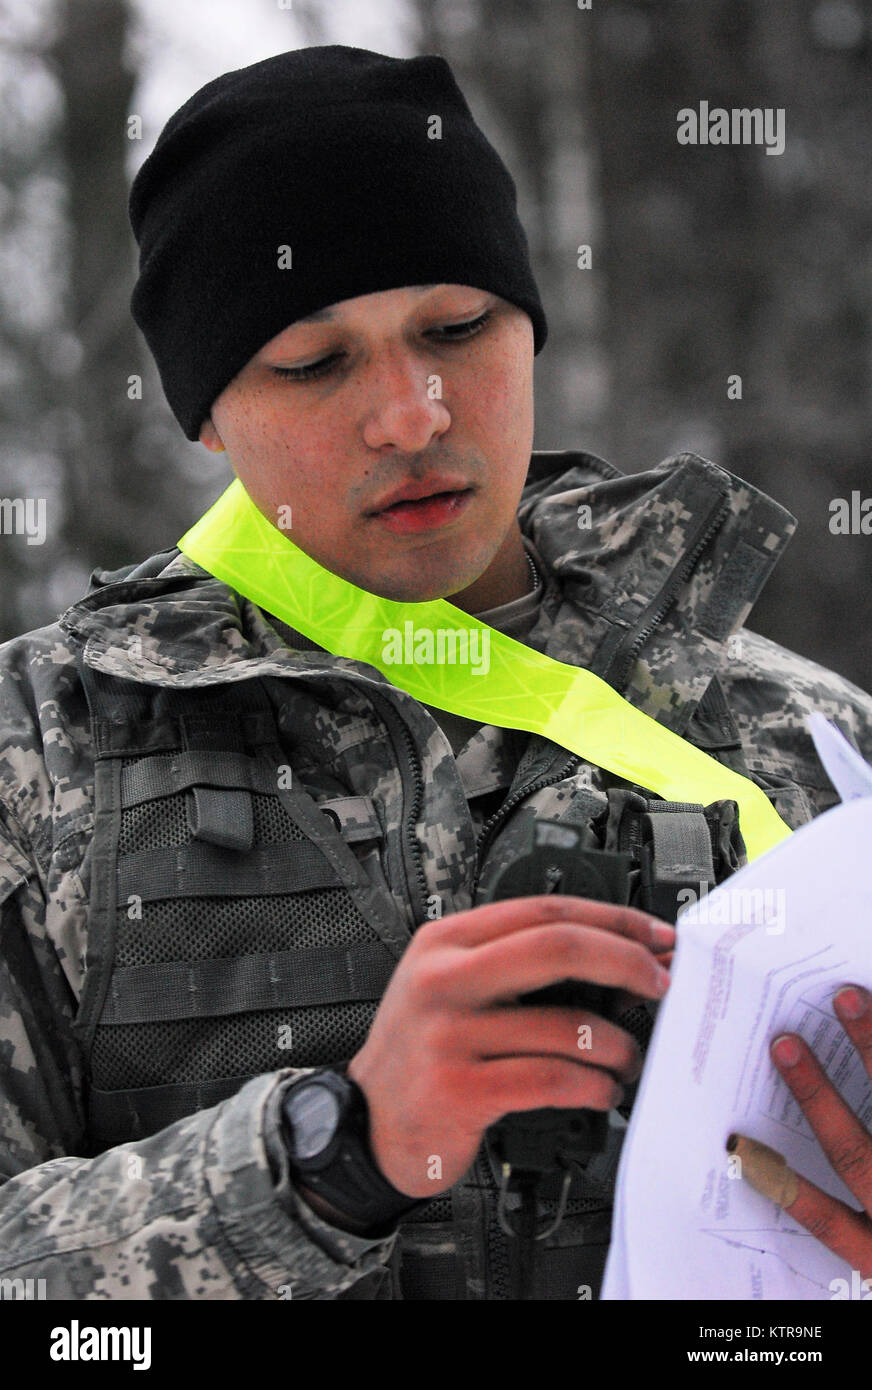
x=649, y=579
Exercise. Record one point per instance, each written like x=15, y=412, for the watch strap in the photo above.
x=345, y=1174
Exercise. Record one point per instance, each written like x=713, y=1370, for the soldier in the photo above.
x=258, y=1012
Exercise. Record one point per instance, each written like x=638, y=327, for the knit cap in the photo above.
x=312, y=177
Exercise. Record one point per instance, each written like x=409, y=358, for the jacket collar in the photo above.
x=647, y=575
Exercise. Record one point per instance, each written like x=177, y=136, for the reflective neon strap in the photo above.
x=444, y=657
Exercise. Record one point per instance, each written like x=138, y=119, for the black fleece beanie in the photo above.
x=312, y=177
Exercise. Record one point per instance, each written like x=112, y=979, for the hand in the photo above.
x=845, y=1141
x=450, y=1050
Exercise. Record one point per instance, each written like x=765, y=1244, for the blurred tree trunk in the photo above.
x=71, y=430
x=724, y=260
x=680, y=244
x=521, y=64
x=100, y=448
x=25, y=162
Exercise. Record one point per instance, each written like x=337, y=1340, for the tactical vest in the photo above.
x=233, y=930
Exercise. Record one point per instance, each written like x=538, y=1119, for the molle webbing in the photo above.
x=225, y=940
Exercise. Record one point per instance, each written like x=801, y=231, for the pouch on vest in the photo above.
x=682, y=849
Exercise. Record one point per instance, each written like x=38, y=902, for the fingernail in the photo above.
x=663, y=979
x=850, y=1002
x=786, y=1050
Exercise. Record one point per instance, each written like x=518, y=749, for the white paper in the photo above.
x=762, y=954
x=850, y=774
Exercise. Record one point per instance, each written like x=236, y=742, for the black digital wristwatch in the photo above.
x=325, y=1127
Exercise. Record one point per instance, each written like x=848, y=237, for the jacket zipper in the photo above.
x=412, y=855
x=412, y=817
x=487, y=830
x=620, y=673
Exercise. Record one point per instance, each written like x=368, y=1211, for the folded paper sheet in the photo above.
x=762, y=954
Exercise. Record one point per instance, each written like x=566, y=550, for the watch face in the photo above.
x=313, y=1111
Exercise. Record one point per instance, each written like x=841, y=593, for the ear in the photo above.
x=210, y=436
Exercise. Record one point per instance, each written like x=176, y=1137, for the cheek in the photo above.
x=504, y=429
x=501, y=394
x=285, y=464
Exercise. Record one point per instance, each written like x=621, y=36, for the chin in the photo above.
x=415, y=588
x=411, y=592
x=404, y=594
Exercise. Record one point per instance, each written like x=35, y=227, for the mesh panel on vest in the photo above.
x=440, y=1209
x=153, y=823
x=129, y=1056
x=232, y=927
x=154, y=1054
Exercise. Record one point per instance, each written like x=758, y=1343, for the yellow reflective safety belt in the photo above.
x=444, y=657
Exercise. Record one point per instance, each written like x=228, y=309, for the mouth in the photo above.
x=424, y=513
x=419, y=490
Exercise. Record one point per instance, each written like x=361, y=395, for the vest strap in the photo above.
x=210, y=988
x=150, y=1108
x=167, y=773
x=203, y=870
x=221, y=817
x=681, y=844
x=676, y=854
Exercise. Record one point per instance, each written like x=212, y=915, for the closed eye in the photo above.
x=309, y=373
x=451, y=333
x=456, y=331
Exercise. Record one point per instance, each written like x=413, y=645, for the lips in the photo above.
x=412, y=504
x=414, y=492
x=428, y=513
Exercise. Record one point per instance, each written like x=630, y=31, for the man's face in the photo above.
x=410, y=388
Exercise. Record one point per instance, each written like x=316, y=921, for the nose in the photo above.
x=404, y=409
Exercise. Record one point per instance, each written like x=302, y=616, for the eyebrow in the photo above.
x=320, y=314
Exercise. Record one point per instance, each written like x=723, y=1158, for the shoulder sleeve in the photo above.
x=770, y=692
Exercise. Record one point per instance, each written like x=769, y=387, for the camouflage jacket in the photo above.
x=649, y=579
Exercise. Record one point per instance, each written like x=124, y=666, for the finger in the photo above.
x=853, y=1005
x=483, y=924
x=627, y=1001
x=846, y=1232
x=576, y=1034
x=844, y=1140
x=527, y=1083
x=525, y=961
